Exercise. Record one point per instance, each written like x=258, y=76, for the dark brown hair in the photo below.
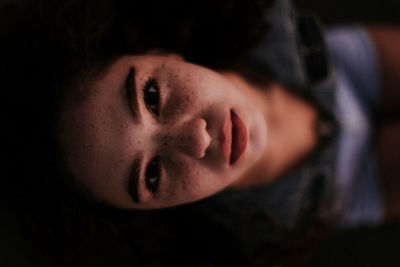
x=49, y=47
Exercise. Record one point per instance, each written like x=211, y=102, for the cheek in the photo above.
x=188, y=91
x=182, y=172
x=190, y=180
x=182, y=100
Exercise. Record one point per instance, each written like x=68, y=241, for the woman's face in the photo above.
x=156, y=131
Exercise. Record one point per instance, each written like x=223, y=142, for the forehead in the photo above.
x=93, y=134
x=106, y=74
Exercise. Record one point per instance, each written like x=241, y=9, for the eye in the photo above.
x=152, y=96
x=152, y=175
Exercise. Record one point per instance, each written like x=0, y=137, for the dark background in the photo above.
x=364, y=246
x=379, y=246
x=349, y=11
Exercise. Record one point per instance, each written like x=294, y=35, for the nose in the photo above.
x=189, y=137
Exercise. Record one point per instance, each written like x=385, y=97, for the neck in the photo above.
x=291, y=133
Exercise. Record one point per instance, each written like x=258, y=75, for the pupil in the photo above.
x=153, y=172
x=152, y=97
x=153, y=180
x=152, y=175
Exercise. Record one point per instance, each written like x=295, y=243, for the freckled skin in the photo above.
x=101, y=139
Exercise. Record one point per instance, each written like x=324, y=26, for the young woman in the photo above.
x=139, y=111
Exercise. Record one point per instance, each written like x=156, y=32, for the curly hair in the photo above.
x=51, y=47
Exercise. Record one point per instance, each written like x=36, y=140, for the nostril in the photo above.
x=190, y=137
x=207, y=144
x=195, y=139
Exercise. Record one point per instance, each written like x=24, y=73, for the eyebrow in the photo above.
x=131, y=89
x=134, y=174
x=133, y=179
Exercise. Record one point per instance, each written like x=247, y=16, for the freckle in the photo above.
x=165, y=143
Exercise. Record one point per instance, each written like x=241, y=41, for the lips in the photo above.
x=234, y=137
x=239, y=138
x=227, y=137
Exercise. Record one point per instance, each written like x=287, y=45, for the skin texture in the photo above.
x=102, y=139
x=187, y=135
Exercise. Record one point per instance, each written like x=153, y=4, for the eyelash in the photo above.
x=152, y=99
x=148, y=94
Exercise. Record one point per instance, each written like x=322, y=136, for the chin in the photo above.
x=258, y=136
